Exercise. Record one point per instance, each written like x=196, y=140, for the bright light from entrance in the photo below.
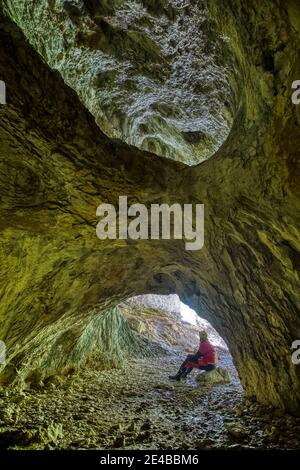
x=190, y=316
x=187, y=314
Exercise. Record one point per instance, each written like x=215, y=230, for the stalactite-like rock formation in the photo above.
x=56, y=167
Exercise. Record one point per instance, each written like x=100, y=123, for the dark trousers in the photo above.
x=190, y=358
x=194, y=358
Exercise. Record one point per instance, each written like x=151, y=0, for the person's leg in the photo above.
x=189, y=366
x=189, y=358
x=208, y=368
x=183, y=368
x=186, y=372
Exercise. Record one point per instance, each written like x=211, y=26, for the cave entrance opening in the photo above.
x=171, y=327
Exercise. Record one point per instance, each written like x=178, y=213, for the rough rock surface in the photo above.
x=219, y=375
x=166, y=330
x=132, y=65
x=56, y=167
x=140, y=409
x=167, y=303
x=160, y=327
x=166, y=310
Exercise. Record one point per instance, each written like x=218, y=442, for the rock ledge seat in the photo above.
x=213, y=377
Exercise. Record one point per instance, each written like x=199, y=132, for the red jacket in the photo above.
x=208, y=354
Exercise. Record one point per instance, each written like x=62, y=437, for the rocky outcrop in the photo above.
x=214, y=377
x=104, y=341
x=57, y=166
x=132, y=65
x=32, y=437
x=158, y=321
x=167, y=303
x=160, y=327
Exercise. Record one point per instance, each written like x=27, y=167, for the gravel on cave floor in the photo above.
x=140, y=408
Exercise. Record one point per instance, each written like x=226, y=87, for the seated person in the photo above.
x=204, y=359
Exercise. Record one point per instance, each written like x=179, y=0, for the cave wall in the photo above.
x=57, y=167
x=133, y=67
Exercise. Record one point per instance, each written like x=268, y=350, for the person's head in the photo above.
x=203, y=335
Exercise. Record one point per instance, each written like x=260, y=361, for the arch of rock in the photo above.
x=57, y=279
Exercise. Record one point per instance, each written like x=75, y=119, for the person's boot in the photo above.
x=186, y=373
x=178, y=375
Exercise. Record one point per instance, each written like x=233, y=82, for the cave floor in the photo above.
x=139, y=408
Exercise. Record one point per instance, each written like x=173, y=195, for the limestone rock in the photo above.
x=164, y=386
x=214, y=377
x=166, y=303
x=236, y=430
x=132, y=54
x=160, y=325
x=9, y=413
x=48, y=435
x=23, y=438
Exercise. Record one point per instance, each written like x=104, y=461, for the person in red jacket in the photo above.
x=204, y=359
